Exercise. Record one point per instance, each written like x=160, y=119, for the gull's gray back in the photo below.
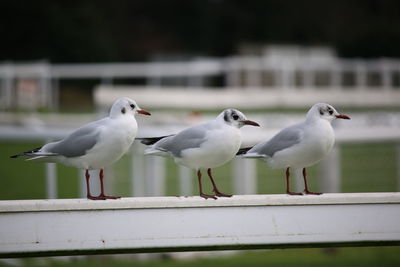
x=77, y=143
x=286, y=138
x=192, y=137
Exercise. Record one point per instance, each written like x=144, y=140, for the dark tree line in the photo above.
x=129, y=30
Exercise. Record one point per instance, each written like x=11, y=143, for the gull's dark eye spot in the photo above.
x=235, y=117
x=331, y=111
x=132, y=106
x=321, y=112
x=123, y=110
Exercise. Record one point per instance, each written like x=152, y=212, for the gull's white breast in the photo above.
x=221, y=145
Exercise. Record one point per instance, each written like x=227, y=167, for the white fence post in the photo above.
x=137, y=171
x=361, y=75
x=154, y=176
x=330, y=172
x=386, y=75
x=336, y=77
x=232, y=72
x=297, y=180
x=244, y=176
x=8, y=79
x=55, y=88
x=51, y=180
x=185, y=181
x=110, y=181
x=308, y=78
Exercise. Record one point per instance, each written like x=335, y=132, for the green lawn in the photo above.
x=365, y=168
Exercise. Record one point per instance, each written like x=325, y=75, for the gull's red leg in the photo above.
x=216, y=191
x=201, y=187
x=306, y=186
x=102, y=195
x=288, y=185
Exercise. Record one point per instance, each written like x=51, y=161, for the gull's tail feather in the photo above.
x=33, y=154
x=148, y=141
x=243, y=150
x=26, y=153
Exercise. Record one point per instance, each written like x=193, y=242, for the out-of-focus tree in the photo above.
x=125, y=30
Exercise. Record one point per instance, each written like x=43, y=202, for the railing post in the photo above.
x=233, y=69
x=55, y=87
x=9, y=76
x=110, y=181
x=51, y=180
x=137, y=171
x=154, y=176
x=386, y=75
x=253, y=73
x=286, y=76
x=296, y=180
x=244, y=176
x=330, y=172
x=336, y=77
x=361, y=75
x=44, y=80
x=185, y=181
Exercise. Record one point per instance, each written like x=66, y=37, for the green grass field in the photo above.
x=365, y=168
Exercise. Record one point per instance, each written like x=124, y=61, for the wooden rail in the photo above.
x=157, y=224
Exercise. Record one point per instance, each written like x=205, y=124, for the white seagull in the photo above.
x=204, y=146
x=301, y=145
x=95, y=145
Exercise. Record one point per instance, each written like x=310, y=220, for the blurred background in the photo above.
x=63, y=63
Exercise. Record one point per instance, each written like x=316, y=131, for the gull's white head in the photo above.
x=325, y=112
x=125, y=107
x=235, y=118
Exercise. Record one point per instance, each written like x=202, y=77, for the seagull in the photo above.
x=301, y=145
x=95, y=145
x=203, y=146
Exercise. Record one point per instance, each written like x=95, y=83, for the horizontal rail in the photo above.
x=79, y=226
x=252, y=98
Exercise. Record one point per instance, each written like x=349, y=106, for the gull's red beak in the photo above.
x=249, y=122
x=144, y=112
x=342, y=116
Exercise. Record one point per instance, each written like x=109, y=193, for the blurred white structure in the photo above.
x=280, y=70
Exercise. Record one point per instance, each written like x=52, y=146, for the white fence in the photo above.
x=42, y=79
x=147, y=174
x=163, y=224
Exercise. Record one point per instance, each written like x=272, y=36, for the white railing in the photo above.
x=234, y=72
x=164, y=224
